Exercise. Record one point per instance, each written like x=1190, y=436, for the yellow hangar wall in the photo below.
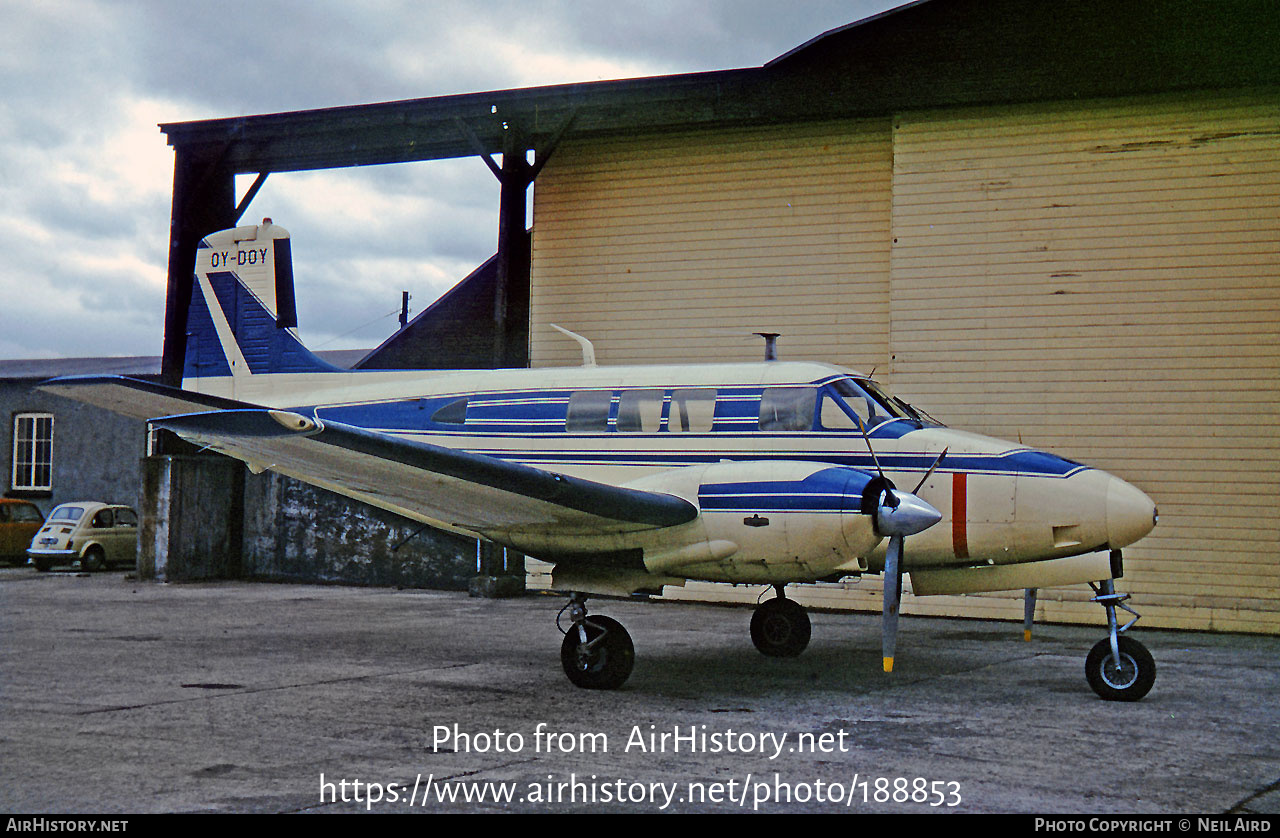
x=676, y=247
x=1103, y=280
x=1098, y=279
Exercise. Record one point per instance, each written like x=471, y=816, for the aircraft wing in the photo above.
x=134, y=397
x=455, y=489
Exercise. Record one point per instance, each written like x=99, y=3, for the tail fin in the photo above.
x=242, y=316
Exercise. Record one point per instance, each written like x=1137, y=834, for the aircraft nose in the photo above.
x=1130, y=513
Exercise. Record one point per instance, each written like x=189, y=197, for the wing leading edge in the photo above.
x=455, y=489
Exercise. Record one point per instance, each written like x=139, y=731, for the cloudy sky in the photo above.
x=86, y=175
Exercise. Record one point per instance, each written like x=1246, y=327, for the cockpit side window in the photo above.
x=842, y=415
x=868, y=409
x=788, y=408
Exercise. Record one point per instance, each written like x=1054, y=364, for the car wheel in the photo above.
x=93, y=560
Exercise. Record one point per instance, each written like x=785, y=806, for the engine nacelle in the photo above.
x=765, y=522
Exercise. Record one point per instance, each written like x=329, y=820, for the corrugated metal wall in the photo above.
x=678, y=247
x=1099, y=279
x=1103, y=280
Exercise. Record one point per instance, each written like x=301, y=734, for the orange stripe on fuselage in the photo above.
x=960, y=515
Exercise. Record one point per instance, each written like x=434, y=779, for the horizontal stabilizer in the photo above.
x=134, y=397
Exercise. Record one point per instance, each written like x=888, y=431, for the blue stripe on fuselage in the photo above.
x=512, y=426
x=537, y=412
x=1023, y=462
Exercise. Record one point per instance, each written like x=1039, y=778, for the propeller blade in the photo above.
x=929, y=473
x=908, y=516
x=867, y=439
x=892, y=599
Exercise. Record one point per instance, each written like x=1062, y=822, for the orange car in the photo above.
x=19, y=521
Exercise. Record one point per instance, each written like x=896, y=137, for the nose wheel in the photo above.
x=780, y=627
x=1124, y=675
x=597, y=653
x=1118, y=667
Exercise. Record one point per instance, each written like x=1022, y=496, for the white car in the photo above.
x=92, y=533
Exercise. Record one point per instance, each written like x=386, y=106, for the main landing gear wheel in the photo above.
x=1128, y=679
x=597, y=653
x=780, y=628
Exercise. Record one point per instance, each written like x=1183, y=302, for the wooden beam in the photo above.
x=249, y=196
x=513, y=250
x=203, y=203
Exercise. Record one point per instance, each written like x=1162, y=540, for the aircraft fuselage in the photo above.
x=773, y=454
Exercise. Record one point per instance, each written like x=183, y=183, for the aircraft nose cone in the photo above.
x=910, y=516
x=1130, y=513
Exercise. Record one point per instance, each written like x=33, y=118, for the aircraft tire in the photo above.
x=605, y=665
x=1132, y=681
x=780, y=628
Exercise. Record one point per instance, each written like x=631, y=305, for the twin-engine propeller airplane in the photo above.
x=631, y=478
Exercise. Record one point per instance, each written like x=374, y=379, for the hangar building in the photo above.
x=1057, y=223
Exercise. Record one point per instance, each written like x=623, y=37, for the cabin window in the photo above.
x=640, y=411
x=692, y=411
x=454, y=413
x=788, y=408
x=588, y=411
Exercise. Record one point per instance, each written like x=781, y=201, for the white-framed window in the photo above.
x=32, y=452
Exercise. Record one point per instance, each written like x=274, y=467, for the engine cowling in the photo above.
x=767, y=521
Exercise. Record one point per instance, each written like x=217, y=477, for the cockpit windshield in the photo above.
x=850, y=402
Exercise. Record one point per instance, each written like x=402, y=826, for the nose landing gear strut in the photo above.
x=1118, y=667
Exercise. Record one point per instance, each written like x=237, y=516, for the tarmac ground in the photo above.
x=119, y=696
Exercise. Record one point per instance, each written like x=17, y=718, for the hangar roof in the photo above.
x=42, y=368
x=931, y=53
x=137, y=366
